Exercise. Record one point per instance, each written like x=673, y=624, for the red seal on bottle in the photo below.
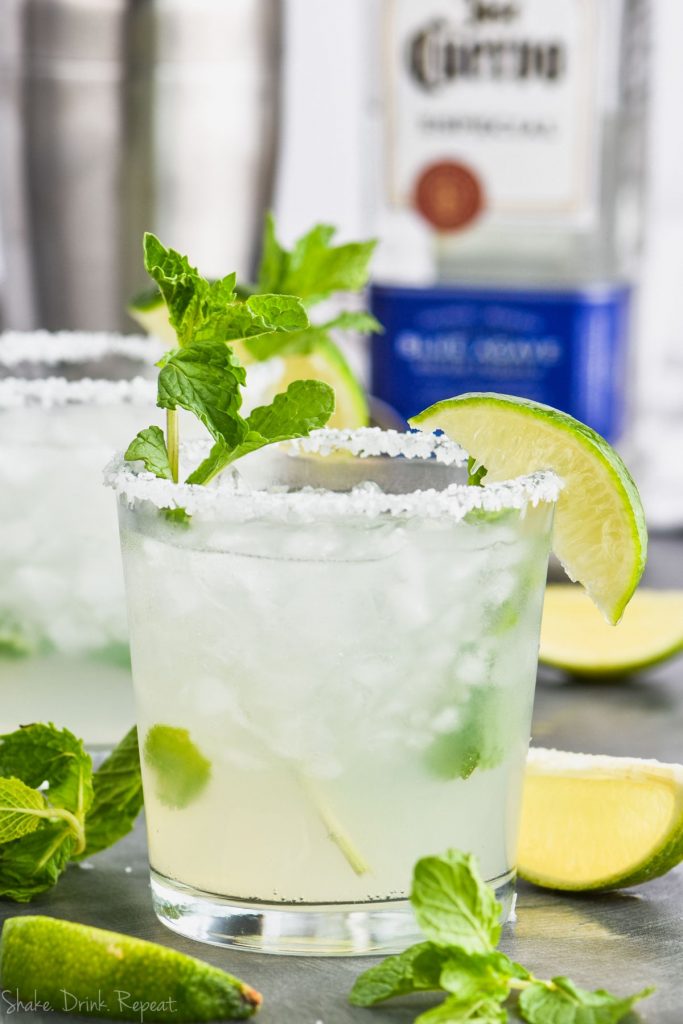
x=449, y=195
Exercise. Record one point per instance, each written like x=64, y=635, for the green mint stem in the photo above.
x=172, y=441
x=335, y=829
x=519, y=984
x=72, y=821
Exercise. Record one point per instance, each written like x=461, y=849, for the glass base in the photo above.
x=337, y=929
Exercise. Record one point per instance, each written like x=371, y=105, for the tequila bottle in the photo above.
x=508, y=198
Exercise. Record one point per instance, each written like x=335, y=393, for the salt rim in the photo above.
x=50, y=392
x=18, y=348
x=368, y=441
x=230, y=499
x=49, y=348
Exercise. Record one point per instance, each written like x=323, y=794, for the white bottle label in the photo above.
x=505, y=93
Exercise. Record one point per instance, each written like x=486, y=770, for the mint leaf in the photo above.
x=306, y=405
x=201, y=310
x=38, y=754
x=453, y=905
x=278, y=312
x=180, y=770
x=317, y=269
x=471, y=976
x=22, y=809
x=480, y=738
x=291, y=343
x=352, y=320
x=117, y=786
x=454, y=1011
x=180, y=284
x=149, y=447
x=33, y=864
x=259, y=315
x=314, y=269
x=565, y=1003
x=205, y=378
x=418, y=969
x=54, y=760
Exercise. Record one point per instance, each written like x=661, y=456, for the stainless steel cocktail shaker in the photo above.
x=118, y=116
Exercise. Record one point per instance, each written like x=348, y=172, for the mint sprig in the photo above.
x=203, y=310
x=204, y=376
x=54, y=809
x=313, y=269
x=460, y=916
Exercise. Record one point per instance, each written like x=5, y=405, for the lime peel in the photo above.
x=46, y=959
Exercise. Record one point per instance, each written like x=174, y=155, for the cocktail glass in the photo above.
x=67, y=402
x=334, y=662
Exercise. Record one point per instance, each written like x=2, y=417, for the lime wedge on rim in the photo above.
x=575, y=637
x=591, y=822
x=599, y=536
x=325, y=362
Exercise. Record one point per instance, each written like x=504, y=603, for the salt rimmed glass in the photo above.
x=334, y=664
x=67, y=402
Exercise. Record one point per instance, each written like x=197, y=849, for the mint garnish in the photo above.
x=181, y=771
x=460, y=916
x=452, y=906
x=314, y=269
x=51, y=804
x=205, y=377
x=480, y=740
x=562, y=1002
x=117, y=796
x=149, y=447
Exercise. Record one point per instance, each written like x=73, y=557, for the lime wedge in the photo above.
x=596, y=822
x=149, y=310
x=76, y=968
x=600, y=534
x=576, y=638
x=181, y=772
x=324, y=362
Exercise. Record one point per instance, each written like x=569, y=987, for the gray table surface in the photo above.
x=622, y=941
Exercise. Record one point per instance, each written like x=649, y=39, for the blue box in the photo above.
x=566, y=348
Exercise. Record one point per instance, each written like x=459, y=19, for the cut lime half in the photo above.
x=324, y=362
x=576, y=638
x=591, y=822
x=600, y=534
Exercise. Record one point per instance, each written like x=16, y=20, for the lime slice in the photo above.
x=149, y=310
x=64, y=964
x=325, y=362
x=180, y=770
x=576, y=638
x=596, y=822
x=600, y=534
